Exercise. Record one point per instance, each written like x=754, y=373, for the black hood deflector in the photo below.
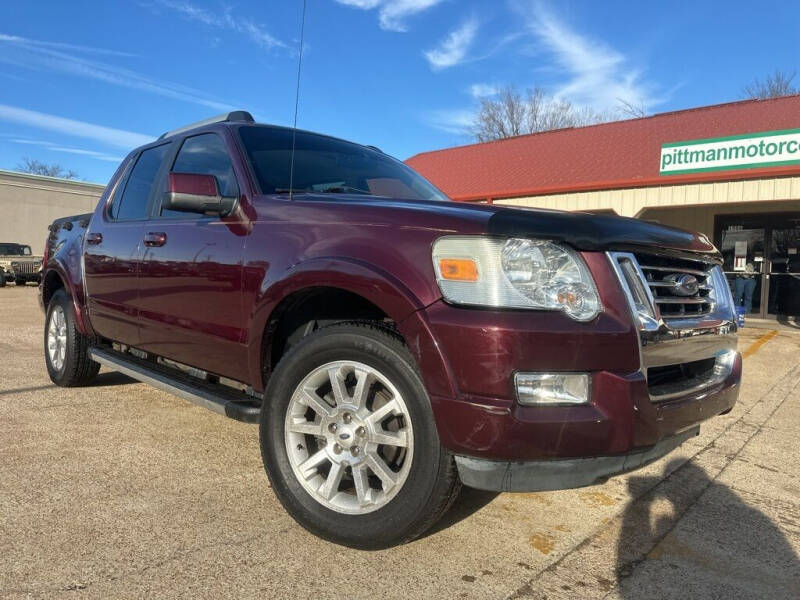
x=585, y=231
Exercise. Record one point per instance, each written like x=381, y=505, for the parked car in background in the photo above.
x=18, y=264
x=391, y=344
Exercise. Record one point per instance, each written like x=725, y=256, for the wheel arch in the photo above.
x=378, y=296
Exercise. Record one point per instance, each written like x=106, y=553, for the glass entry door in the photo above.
x=743, y=251
x=784, y=272
x=762, y=262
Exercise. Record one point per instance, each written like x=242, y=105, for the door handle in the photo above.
x=94, y=238
x=155, y=238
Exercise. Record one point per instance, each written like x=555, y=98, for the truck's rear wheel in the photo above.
x=66, y=350
x=349, y=440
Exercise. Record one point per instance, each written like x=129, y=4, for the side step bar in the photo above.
x=218, y=401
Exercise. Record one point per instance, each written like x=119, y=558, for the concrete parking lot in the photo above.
x=121, y=491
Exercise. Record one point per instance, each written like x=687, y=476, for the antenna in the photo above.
x=297, y=102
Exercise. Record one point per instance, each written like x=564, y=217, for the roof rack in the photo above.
x=236, y=115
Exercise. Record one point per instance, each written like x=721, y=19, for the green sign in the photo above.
x=751, y=150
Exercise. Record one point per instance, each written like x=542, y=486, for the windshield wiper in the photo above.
x=343, y=189
x=337, y=189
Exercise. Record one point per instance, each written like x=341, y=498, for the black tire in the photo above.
x=2, y=279
x=78, y=369
x=432, y=483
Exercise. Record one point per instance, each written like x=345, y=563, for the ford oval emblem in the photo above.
x=686, y=285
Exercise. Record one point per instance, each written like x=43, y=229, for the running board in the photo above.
x=200, y=393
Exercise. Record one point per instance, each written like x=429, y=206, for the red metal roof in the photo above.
x=606, y=156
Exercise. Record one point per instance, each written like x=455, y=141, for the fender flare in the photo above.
x=372, y=283
x=74, y=290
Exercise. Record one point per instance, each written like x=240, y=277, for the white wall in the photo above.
x=631, y=202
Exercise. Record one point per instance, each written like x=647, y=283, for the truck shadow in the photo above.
x=712, y=545
x=111, y=378
x=108, y=379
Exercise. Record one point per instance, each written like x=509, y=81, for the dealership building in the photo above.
x=730, y=171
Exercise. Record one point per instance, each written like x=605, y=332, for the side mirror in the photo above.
x=196, y=193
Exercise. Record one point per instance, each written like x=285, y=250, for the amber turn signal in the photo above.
x=458, y=269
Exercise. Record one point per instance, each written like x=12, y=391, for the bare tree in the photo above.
x=37, y=167
x=631, y=109
x=773, y=86
x=510, y=113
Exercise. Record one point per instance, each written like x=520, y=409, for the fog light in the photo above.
x=552, y=388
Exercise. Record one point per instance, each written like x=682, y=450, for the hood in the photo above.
x=17, y=258
x=582, y=231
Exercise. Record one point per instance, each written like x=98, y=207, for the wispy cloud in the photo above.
x=116, y=138
x=39, y=55
x=62, y=46
x=597, y=75
x=457, y=121
x=482, y=90
x=257, y=33
x=68, y=149
x=392, y=14
x=453, y=49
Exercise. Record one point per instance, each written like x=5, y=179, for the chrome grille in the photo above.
x=680, y=288
x=679, y=335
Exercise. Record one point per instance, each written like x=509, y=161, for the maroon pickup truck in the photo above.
x=390, y=343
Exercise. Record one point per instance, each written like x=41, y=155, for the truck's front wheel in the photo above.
x=349, y=440
x=66, y=350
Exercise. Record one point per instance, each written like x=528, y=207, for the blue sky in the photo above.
x=81, y=83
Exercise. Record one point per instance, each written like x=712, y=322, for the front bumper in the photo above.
x=547, y=475
x=479, y=419
x=620, y=419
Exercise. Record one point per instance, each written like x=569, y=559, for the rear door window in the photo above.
x=133, y=202
x=205, y=154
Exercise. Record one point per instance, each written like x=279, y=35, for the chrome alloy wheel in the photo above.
x=349, y=437
x=57, y=338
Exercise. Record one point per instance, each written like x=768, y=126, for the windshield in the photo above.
x=327, y=165
x=14, y=250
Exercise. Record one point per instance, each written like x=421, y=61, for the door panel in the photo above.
x=190, y=293
x=111, y=271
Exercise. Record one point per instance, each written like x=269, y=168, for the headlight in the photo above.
x=515, y=273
